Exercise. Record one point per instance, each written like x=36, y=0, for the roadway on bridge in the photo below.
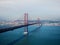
x=15, y=27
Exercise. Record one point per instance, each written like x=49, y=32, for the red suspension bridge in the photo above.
x=26, y=24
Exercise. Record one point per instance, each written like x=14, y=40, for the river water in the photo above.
x=44, y=35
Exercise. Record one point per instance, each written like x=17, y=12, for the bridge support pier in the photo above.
x=25, y=23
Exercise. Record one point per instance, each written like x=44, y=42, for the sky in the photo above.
x=43, y=9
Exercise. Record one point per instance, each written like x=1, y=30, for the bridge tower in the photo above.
x=38, y=21
x=25, y=23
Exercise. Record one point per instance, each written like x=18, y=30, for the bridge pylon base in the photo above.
x=25, y=33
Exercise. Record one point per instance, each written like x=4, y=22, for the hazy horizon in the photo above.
x=15, y=9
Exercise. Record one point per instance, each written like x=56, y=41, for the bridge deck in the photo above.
x=12, y=28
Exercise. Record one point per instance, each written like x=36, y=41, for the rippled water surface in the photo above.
x=44, y=35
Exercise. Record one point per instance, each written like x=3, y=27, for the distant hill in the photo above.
x=49, y=21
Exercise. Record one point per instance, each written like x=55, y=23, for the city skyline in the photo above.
x=15, y=9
